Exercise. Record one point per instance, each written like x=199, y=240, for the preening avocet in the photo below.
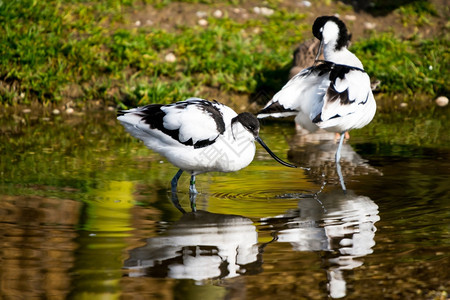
x=334, y=94
x=197, y=136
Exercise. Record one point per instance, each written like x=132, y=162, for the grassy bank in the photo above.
x=57, y=51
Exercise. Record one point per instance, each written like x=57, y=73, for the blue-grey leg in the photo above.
x=192, y=189
x=174, y=181
x=193, y=193
x=341, y=178
x=338, y=152
x=193, y=204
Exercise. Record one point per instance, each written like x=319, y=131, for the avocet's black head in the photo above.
x=343, y=35
x=249, y=121
x=251, y=124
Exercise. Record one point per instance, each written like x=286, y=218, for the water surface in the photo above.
x=86, y=212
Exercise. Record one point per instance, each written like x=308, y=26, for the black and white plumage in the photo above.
x=334, y=94
x=197, y=136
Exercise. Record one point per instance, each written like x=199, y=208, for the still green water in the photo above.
x=86, y=213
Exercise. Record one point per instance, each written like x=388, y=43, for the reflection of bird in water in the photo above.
x=201, y=245
x=197, y=136
x=342, y=225
x=317, y=151
x=334, y=94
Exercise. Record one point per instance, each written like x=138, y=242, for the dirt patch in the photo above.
x=361, y=23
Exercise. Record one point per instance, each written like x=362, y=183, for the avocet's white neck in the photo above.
x=333, y=52
x=342, y=56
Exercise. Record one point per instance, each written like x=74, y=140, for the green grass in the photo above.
x=417, y=13
x=58, y=50
x=411, y=67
